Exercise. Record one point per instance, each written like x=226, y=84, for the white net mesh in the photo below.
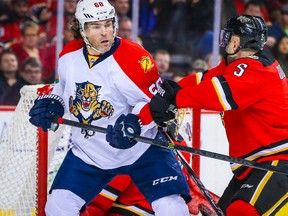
x=19, y=159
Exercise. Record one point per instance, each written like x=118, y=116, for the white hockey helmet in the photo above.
x=93, y=10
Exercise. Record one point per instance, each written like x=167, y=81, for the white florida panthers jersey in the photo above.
x=120, y=81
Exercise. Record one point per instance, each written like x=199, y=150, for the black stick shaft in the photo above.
x=200, y=185
x=170, y=145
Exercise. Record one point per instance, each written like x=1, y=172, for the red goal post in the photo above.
x=30, y=158
x=24, y=159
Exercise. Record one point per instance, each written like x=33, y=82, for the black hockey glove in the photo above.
x=163, y=105
x=45, y=109
x=121, y=135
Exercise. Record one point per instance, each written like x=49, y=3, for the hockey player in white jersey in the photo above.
x=105, y=80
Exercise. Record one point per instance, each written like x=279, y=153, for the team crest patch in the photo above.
x=146, y=63
x=86, y=106
x=92, y=61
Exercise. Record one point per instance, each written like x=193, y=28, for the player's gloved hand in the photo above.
x=121, y=135
x=45, y=109
x=163, y=105
x=199, y=202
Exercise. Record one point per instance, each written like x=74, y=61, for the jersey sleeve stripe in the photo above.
x=113, y=190
x=199, y=77
x=220, y=94
x=108, y=195
x=224, y=93
x=129, y=210
x=280, y=148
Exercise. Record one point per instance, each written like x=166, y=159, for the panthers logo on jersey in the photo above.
x=146, y=63
x=86, y=107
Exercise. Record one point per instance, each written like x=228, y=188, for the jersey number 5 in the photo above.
x=240, y=69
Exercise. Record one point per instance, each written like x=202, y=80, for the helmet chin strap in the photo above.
x=89, y=45
x=236, y=51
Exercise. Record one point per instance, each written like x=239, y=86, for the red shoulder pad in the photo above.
x=72, y=46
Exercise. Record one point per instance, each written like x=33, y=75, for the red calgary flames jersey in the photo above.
x=252, y=92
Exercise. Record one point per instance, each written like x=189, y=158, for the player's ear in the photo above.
x=236, y=42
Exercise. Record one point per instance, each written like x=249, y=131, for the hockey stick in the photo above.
x=170, y=145
x=200, y=185
x=197, y=181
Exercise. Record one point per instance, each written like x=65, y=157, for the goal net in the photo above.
x=30, y=158
x=24, y=177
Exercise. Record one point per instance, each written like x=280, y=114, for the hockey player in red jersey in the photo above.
x=108, y=81
x=251, y=90
x=121, y=197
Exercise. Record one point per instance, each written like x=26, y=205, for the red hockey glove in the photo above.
x=199, y=202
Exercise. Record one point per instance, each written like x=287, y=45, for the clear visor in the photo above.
x=224, y=38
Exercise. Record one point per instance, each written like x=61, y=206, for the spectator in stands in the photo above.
x=29, y=45
x=29, y=48
x=125, y=29
x=20, y=12
x=67, y=33
x=4, y=10
x=177, y=29
x=252, y=6
x=200, y=33
x=279, y=29
x=9, y=29
x=257, y=8
x=147, y=17
x=31, y=71
x=162, y=59
x=281, y=53
x=274, y=9
x=9, y=81
x=178, y=76
x=199, y=65
x=209, y=60
x=69, y=11
x=41, y=11
x=122, y=7
x=51, y=51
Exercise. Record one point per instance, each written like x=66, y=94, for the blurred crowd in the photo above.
x=179, y=34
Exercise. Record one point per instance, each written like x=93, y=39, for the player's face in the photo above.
x=100, y=34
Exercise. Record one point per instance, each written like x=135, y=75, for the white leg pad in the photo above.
x=63, y=203
x=170, y=206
